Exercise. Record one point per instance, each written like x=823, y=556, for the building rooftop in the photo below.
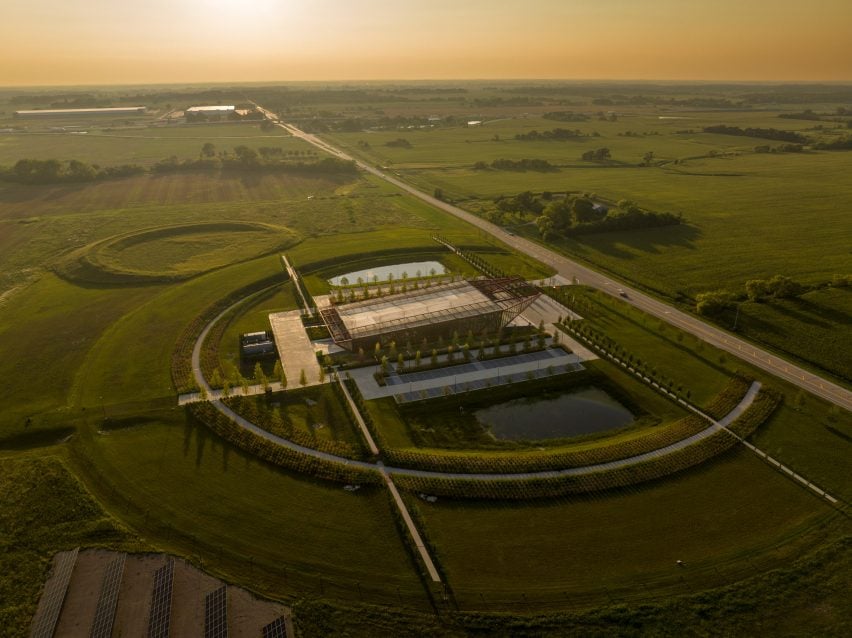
x=219, y=108
x=106, y=110
x=415, y=308
x=503, y=297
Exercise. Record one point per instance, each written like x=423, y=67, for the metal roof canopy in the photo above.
x=428, y=306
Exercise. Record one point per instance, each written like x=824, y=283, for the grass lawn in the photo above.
x=130, y=362
x=273, y=532
x=625, y=544
x=812, y=438
x=676, y=355
x=45, y=335
x=43, y=510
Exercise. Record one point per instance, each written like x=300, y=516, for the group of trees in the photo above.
x=525, y=202
x=579, y=215
x=765, y=133
x=777, y=287
x=758, y=290
x=557, y=134
x=399, y=142
x=52, y=171
x=517, y=165
x=781, y=148
x=566, y=116
x=596, y=155
x=841, y=144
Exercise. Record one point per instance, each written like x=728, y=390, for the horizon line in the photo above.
x=433, y=80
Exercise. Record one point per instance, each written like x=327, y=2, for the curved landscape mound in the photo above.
x=172, y=253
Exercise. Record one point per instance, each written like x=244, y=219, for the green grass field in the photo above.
x=624, y=544
x=748, y=215
x=143, y=146
x=278, y=532
x=814, y=327
x=44, y=509
x=675, y=355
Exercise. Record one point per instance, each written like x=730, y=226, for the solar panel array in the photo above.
x=216, y=613
x=160, y=617
x=54, y=595
x=108, y=599
x=275, y=629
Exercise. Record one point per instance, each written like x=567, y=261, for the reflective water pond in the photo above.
x=582, y=411
x=380, y=273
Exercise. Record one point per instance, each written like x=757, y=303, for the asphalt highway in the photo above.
x=569, y=269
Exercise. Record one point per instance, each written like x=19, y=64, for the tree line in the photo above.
x=517, y=165
x=762, y=290
x=557, y=134
x=53, y=171
x=765, y=133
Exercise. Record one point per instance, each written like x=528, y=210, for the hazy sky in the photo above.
x=136, y=41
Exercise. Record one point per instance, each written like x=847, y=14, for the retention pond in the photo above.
x=582, y=411
x=381, y=273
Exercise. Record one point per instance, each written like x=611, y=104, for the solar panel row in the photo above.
x=54, y=595
x=108, y=599
x=275, y=629
x=216, y=613
x=160, y=617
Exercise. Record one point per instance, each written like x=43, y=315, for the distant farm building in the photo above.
x=475, y=305
x=210, y=113
x=110, y=111
x=255, y=345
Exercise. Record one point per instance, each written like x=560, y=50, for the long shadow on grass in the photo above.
x=646, y=240
x=193, y=427
x=36, y=438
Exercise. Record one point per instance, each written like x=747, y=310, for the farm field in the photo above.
x=748, y=215
x=731, y=202
x=814, y=326
x=143, y=146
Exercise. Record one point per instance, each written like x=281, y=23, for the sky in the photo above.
x=52, y=42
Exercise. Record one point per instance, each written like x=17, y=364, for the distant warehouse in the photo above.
x=210, y=113
x=109, y=111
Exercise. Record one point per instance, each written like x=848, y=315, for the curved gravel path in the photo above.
x=710, y=430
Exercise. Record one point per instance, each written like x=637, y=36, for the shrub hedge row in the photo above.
x=553, y=486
